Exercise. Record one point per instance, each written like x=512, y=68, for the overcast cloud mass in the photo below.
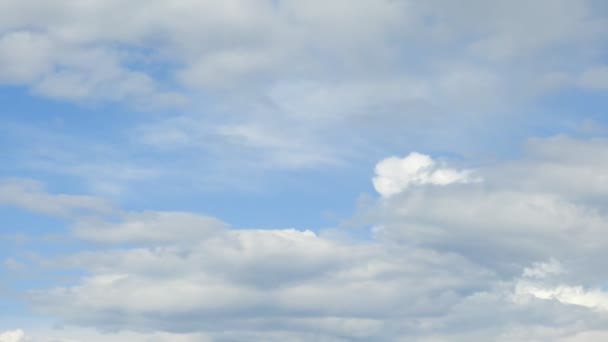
x=285, y=170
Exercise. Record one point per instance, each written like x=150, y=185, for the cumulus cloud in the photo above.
x=264, y=282
x=528, y=216
x=474, y=262
x=394, y=175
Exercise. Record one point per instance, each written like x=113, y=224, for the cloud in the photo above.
x=259, y=281
x=394, y=175
x=12, y=336
x=540, y=281
x=595, y=78
x=440, y=260
x=286, y=69
x=291, y=85
x=283, y=88
x=541, y=270
x=30, y=195
x=57, y=69
x=575, y=295
x=27, y=54
x=523, y=211
x=474, y=262
x=248, y=46
x=76, y=334
x=559, y=164
x=152, y=227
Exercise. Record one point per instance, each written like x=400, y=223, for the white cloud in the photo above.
x=521, y=216
x=498, y=260
x=539, y=281
x=266, y=43
x=281, y=85
x=575, y=295
x=394, y=175
x=12, y=336
x=260, y=281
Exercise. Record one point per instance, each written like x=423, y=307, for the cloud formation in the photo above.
x=221, y=93
x=283, y=86
x=440, y=262
x=394, y=175
x=12, y=336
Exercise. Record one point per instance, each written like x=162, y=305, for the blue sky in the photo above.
x=303, y=170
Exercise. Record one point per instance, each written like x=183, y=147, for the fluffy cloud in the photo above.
x=474, y=262
x=263, y=281
x=394, y=175
x=544, y=206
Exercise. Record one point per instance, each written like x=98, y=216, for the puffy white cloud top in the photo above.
x=394, y=175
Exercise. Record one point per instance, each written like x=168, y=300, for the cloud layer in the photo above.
x=468, y=240
x=492, y=260
x=278, y=84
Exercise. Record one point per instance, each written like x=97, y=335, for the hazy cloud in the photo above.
x=12, y=336
x=30, y=195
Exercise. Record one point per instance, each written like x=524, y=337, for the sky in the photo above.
x=284, y=170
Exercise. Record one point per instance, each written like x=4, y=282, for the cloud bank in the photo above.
x=491, y=260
